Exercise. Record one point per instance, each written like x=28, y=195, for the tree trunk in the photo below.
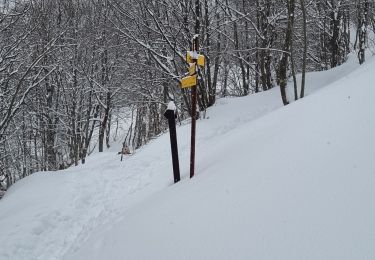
x=283, y=66
x=303, y=7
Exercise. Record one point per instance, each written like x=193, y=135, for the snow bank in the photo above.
x=294, y=184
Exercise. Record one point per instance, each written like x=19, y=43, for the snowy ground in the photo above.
x=295, y=183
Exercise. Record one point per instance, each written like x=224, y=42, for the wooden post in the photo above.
x=193, y=129
x=194, y=90
x=171, y=116
x=193, y=113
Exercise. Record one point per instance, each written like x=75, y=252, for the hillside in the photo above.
x=272, y=182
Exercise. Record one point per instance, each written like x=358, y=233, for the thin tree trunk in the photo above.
x=282, y=73
x=303, y=7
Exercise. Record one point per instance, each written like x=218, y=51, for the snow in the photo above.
x=193, y=54
x=271, y=182
x=171, y=106
x=317, y=80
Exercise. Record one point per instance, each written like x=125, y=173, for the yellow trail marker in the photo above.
x=192, y=69
x=188, y=81
x=201, y=60
x=192, y=57
x=189, y=58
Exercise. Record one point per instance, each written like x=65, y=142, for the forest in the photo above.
x=73, y=71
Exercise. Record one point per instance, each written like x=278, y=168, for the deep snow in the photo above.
x=296, y=183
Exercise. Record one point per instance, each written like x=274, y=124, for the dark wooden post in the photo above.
x=193, y=127
x=194, y=90
x=170, y=114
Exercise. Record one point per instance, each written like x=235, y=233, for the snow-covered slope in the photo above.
x=319, y=79
x=297, y=183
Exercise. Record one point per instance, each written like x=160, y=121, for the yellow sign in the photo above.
x=189, y=59
x=201, y=60
x=192, y=69
x=188, y=81
x=192, y=57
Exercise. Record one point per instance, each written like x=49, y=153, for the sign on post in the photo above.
x=194, y=59
x=201, y=60
x=188, y=81
x=192, y=69
x=189, y=58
